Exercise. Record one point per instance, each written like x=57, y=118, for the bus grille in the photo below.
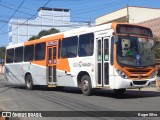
x=138, y=73
x=139, y=82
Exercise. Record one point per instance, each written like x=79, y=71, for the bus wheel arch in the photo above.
x=79, y=77
x=28, y=81
x=84, y=81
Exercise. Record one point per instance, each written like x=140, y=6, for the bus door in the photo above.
x=51, y=64
x=103, y=61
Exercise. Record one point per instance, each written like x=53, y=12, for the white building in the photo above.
x=21, y=30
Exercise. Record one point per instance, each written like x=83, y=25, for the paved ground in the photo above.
x=13, y=98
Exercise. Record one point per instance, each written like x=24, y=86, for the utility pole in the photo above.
x=127, y=13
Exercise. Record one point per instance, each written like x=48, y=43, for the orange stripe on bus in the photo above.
x=41, y=62
x=46, y=39
x=63, y=65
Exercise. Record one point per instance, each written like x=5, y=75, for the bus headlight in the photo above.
x=122, y=74
x=153, y=74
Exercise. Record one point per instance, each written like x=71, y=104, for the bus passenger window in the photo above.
x=18, y=54
x=59, y=48
x=99, y=56
x=40, y=50
x=86, y=45
x=69, y=47
x=28, y=53
x=10, y=55
x=106, y=50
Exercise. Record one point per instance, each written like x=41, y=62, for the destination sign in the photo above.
x=133, y=30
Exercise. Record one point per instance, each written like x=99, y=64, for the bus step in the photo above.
x=52, y=85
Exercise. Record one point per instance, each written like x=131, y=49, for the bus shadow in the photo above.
x=129, y=94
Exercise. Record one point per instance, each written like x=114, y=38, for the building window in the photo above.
x=69, y=47
x=28, y=53
x=86, y=45
x=10, y=28
x=18, y=54
x=10, y=55
x=40, y=50
x=10, y=38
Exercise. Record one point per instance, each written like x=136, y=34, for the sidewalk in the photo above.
x=150, y=88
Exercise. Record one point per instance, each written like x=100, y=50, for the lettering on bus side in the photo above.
x=80, y=64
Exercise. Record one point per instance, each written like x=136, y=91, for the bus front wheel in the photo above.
x=29, y=82
x=86, y=86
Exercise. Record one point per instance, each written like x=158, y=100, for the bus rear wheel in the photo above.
x=29, y=82
x=119, y=91
x=86, y=86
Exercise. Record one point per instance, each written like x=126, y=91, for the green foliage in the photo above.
x=157, y=47
x=43, y=33
x=33, y=38
x=2, y=52
x=157, y=51
x=53, y=30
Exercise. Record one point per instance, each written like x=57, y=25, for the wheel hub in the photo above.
x=85, y=85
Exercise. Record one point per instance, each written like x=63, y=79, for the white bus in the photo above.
x=111, y=56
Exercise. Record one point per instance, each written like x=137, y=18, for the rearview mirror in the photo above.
x=115, y=39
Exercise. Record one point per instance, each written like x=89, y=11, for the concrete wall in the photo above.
x=131, y=14
x=112, y=16
x=139, y=14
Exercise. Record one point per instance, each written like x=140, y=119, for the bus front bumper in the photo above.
x=129, y=83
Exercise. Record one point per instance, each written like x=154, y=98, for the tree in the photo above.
x=43, y=33
x=2, y=52
x=157, y=47
x=53, y=30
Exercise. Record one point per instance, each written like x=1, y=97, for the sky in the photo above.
x=81, y=10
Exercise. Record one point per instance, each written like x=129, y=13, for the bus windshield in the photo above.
x=135, y=51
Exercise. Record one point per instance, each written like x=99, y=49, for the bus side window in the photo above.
x=106, y=50
x=59, y=48
x=18, y=54
x=40, y=50
x=28, y=53
x=10, y=55
x=86, y=45
x=69, y=47
x=112, y=51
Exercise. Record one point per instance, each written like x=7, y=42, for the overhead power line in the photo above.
x=27, y=19
x=13, y=14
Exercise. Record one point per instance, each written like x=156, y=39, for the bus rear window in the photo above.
x=10, y=55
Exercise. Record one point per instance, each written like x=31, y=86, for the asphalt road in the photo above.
x=15, y=98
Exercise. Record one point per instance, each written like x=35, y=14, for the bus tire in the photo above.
x=86, y=86
x=29, y=82
x=119, y=91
